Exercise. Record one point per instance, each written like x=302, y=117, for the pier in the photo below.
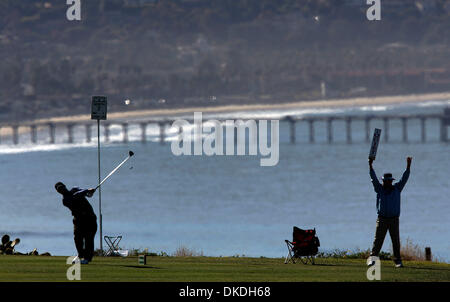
x=310, y=121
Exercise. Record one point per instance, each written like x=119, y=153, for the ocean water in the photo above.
x=230, y=205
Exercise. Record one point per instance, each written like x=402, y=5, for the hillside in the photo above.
x=176, y=53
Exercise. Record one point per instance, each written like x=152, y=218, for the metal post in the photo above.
x=99, y=112
x=428, y=253
x=99, y=188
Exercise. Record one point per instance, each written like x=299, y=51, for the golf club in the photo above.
x=130, y=154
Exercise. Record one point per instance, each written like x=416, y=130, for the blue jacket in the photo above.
x=388, y=201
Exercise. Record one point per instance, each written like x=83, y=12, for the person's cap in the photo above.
x=388, y=176
x=58, y=185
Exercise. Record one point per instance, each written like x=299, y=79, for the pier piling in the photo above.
x=423, y=129
x=51, y=128
x=291, y=128
x=330, y=130
x=405, y=129
x=143, y=132
x=180, y=133
x=70, y=133
x=386, y=129
x=33, y=131
x=88, y=133
x=367, y=120
x=107, y=131
x=162, y=132
x=125, y=132
x=311, y=130
x=348, y=124
x=15, y=130
x=445, y=122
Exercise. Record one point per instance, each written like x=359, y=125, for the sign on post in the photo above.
x=99, y=108
x=98, y=112
x=375, y=141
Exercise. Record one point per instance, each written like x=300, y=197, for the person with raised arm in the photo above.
x=388, y=209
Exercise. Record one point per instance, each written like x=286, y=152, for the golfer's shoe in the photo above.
x=84, y=261
x=76, y=260
x=398, y=264
x=370, y=261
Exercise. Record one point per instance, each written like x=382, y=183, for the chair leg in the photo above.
x=289, y=256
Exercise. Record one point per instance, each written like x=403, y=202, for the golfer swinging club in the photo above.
x=388, y=208
x=84, y=220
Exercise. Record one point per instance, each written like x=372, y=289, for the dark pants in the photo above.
x=383, y=225
x=84, y=234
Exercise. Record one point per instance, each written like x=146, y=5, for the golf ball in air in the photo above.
x=127, y=102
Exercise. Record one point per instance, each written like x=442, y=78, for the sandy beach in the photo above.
x=361, y=101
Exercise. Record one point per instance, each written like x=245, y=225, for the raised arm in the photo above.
x=401, y=184
x=373, y=176
x=85, y=192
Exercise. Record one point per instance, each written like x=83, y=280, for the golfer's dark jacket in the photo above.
x=76, y=201
x=388, y=201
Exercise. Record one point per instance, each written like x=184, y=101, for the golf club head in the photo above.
x=131, y=153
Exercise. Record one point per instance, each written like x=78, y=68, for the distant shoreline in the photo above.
x=360, y=101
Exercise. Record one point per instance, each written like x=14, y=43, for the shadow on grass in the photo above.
x=428, y=268
x=141, y=266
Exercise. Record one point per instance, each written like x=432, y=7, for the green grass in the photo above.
x=184, y=269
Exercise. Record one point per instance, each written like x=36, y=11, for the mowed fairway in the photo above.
x=184, y=269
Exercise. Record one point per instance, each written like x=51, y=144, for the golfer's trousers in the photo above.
x=84, y=234
x=383, y=225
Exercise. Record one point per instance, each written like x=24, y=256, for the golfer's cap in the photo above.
x=59, y=184
x=388, y=176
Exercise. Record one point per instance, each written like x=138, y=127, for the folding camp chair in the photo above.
x=304, y=246
x=113, y=245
